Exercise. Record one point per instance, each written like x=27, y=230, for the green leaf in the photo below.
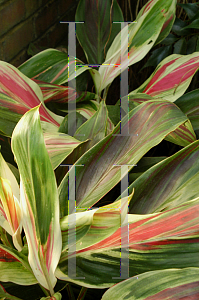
x=56, y=296
x=149, y=123
x=59, y=146
x=14, y=267
x=51, y=66
x=158, y=55
x=183, y=135
x=39, y=198
x=180, y=27
x=98, y=30
x=191, y=44
x=194, y=24
x=94, y=128
x=167, y=184
x=114, y=113
x=141, y=37
x=75, y=117
x=189, y=104
x=162, y=285
x=190, y=8
x=180, y=47
x=170, y=39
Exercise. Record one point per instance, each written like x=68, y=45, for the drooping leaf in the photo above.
x=62, y=94
x=95, y=225
x=94, y=128
x=171, y=78
x=183, y=135
x=18, y=94
x=99, y=168
x=86, y=109
x=14, y=267
x=59, y=146
x=165, y=284
x=98, y=30
x=141, y=37
x=39, y=198
x=51, y=66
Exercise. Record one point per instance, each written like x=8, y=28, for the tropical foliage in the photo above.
x=63, y=224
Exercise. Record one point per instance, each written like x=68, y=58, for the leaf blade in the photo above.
x=40, y=220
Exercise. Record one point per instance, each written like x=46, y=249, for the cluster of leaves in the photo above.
x=183, y=39
x=54, y=227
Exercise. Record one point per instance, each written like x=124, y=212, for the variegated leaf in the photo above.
x=5, y=295
x=141, y=37
x=170, y=18
x=18, y=94
x=95, y=225
x=14, y=267
x=154, y=243
x=169, y=183
x=56, y=296
x=183, y=135
x=39, y=198
x=95, y=128
x=62, y=94
x=59, y=146
x=98, y=31
x=99, y=168
x=10, y=211
x=172, y=77
x=51, y=66
x=158, y=285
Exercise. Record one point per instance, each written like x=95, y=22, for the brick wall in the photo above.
x=32, y=21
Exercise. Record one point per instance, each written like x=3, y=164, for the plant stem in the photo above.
x=106, y=91
x=82, y=293
x=44, y=269
x=44, y=290
x=70, y=292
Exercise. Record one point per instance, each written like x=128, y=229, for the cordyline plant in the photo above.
x=151, y=230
